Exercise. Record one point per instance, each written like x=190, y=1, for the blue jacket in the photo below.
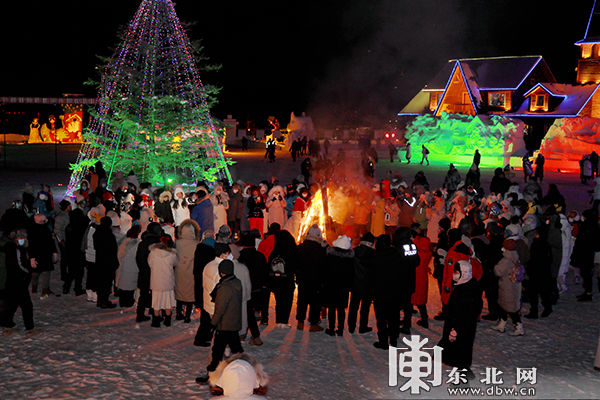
x=203, y=214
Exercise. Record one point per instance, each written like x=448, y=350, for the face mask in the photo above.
x=456, y=276
x=230, y=257
x=84, y=188
x=21, y=242
x=103, y=185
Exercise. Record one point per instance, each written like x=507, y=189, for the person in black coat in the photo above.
x=282, y=268
x=256, y=263
x=587, y=243
x=338, y=279
x=107, y=261
x=75, y=256
x=360, y=295
x=460, y=324
x=385, y=281
x=489, y=281
x=311, y=265
x=42, y=253
x=409, y=261
x=152, y=235
x=18, y=268
x=500, y=183
x=538, y=271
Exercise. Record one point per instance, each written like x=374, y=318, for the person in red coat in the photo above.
x=461, y=250
x=419, y=297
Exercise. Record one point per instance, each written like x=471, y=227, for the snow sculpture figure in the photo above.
x=299, y=127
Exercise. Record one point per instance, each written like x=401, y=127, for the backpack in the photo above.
x=517, y=274
x=277, y=267
x=426, y=151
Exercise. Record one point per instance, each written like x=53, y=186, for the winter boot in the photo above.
x=315, y=328
x=188, y=313
x=500, y=326
x=300, y=325
x=156, y=321
x=90, y=296
x=167, y=320
x=179, y=311
x=518, y=330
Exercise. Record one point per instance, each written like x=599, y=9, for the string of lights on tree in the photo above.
x=153, y=115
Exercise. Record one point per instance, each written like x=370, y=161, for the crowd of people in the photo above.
x=228, y=248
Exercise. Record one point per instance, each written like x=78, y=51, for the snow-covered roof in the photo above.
x=574, y=99
x=494, y=73
x=592, y=31
x=418, y=105
x=480, y=74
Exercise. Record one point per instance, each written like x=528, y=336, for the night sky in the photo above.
x=353, y=62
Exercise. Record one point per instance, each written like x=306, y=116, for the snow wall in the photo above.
x=568, y=140
x=457, y=136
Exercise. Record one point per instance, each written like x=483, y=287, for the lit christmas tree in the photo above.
x=153, y=116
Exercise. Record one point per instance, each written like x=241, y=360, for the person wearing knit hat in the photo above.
x=227, y=317
x=460, y=324
x=315, y=231
x=338, y=276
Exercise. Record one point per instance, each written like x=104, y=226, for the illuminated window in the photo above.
x=497, y=99
x=540, y=100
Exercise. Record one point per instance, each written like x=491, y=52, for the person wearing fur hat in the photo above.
x=460, y=326
x=236, y=209
x=309, y=277
x=509, y=293
x=256, y=207
x=239, y=377
x=107, y=261
x=275, y=205
x=163, y=209
x=42, y=253
x=435, y=213
x=338, y=276
x=179, y=206
x=162, y=261
x=227, y=317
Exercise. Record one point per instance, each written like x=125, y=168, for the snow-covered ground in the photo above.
x=86, y=352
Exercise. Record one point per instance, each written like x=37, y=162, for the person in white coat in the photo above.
x=567, y=247
x=210, y=279
x=276, y=204
x=179, y=206
x=162, y=261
